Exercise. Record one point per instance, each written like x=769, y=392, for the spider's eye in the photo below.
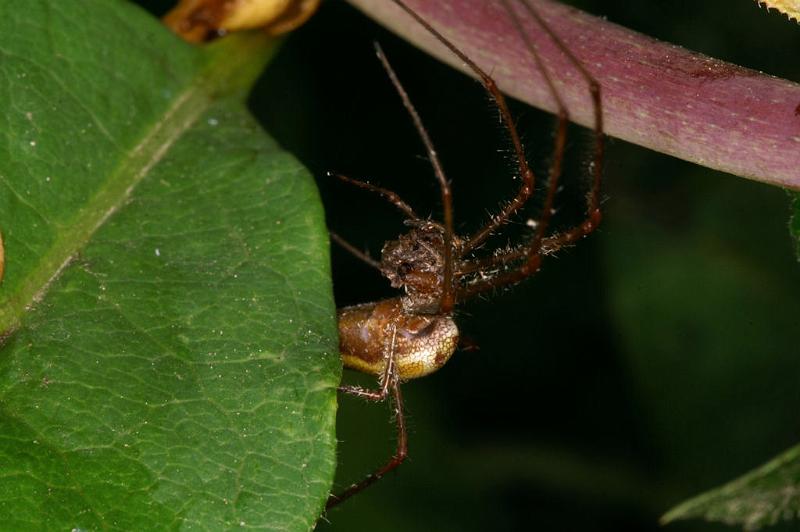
x=404, y=269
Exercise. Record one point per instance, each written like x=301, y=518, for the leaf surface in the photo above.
x=169, y=354
x=765, y=496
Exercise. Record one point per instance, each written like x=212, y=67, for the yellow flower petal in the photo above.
x=790, y=8
x=196, y=20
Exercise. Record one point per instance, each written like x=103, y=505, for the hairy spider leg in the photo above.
x=390, y=383
x=593, y=214
x=527, y=175
x=390, y=196
x=534, y=250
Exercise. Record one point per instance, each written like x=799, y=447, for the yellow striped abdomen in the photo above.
x=422, y=343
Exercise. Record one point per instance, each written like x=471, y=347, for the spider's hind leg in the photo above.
x=390, y=384
x=399, y=456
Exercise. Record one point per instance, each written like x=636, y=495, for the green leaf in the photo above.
x=169, y=355
x=764, y=496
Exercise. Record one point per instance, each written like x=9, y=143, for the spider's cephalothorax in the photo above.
x=414, y=334
x=415, y=262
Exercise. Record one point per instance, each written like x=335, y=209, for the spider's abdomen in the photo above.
x=422, y=343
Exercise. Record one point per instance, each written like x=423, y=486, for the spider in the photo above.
x=414, y=334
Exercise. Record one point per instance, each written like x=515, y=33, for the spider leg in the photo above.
x=448, y=297
x=526, y=189
x=361, y=255
x=565, y=238
x=559, y=145
x=389, y=374
x=390, y=382
x=593, y=215
x=389, y=195
x=397, y=458
x=486, y=264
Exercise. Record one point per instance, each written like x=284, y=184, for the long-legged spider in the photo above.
x=414, y=334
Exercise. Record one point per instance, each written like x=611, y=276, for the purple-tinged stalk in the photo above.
x=655, y=94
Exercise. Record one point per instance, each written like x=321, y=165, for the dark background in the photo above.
x=654, y=360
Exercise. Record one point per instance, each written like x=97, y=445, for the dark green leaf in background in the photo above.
x=169, y=355
x=762, y=497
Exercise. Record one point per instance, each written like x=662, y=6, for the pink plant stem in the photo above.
x=655, y=94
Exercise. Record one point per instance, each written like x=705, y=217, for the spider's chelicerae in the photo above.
x=414, y=334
